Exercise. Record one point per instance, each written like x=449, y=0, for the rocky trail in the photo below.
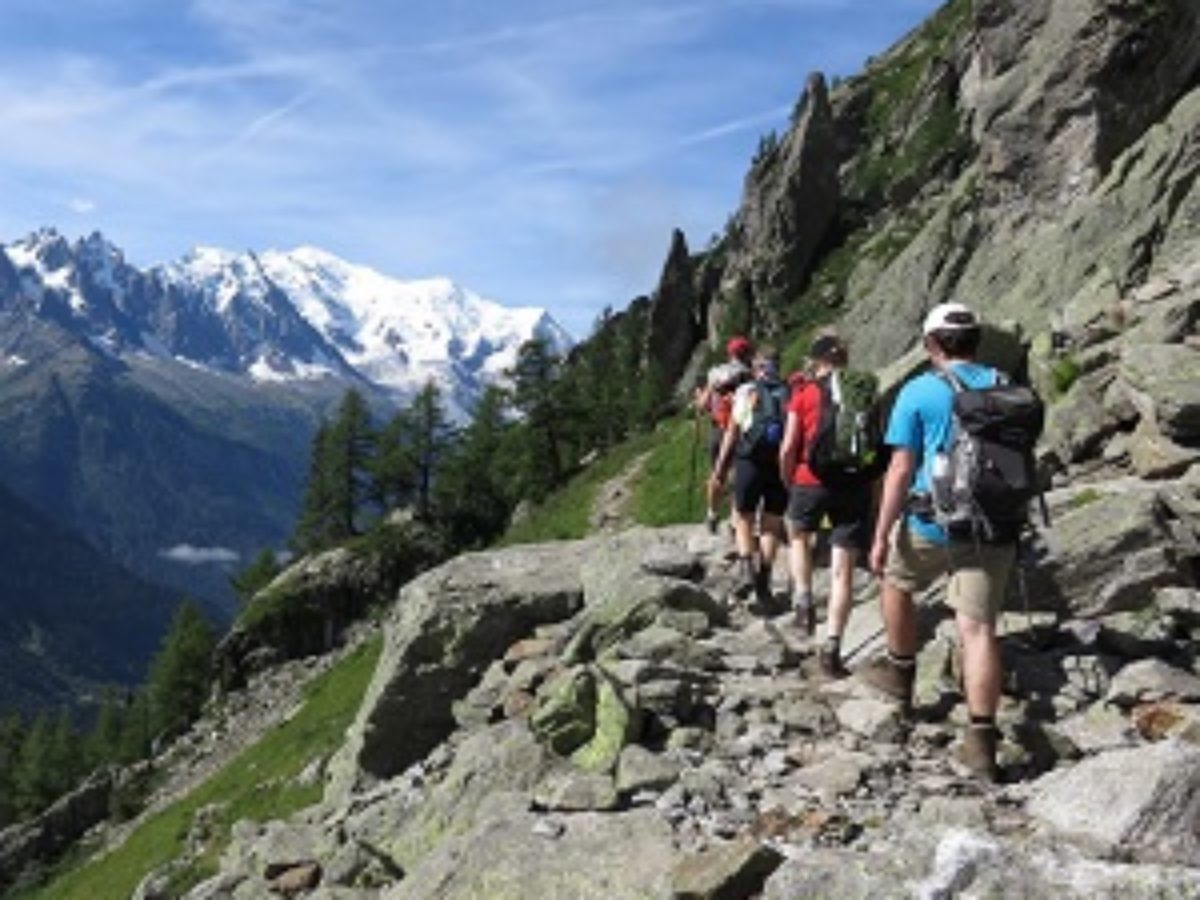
x=602, y=719
x=610, y=510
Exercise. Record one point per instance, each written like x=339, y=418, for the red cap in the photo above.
x=739, y=347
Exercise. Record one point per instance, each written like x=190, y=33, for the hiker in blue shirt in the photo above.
x=910, y=550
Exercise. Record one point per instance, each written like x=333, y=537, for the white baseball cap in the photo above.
x=949, y=317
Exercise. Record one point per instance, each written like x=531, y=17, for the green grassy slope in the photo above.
x=661, y=493
x=258, y=785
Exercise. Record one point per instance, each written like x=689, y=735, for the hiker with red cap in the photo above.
x=715, y=399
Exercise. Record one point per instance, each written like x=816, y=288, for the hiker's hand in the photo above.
x=878, y=558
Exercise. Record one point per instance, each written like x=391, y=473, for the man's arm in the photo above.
x=725, y=455
x=787, y=450
x=896, y=484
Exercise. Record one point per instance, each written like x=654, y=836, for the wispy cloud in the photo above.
x=81, y=205
x=200, y=556
x=539, y=153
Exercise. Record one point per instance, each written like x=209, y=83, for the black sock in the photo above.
x=833, y=644
x=904, y=662
x=983, y=721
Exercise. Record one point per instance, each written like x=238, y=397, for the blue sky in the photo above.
x=537, y=151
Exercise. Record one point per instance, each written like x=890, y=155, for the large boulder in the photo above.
x=27, y=845
x=1110, y=546
x=1165, y=382
x=446, y=628
x=307, y=607
x=508, y=854
x=958, y=862
x=1141, y=803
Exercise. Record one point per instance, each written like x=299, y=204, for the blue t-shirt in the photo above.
x=922, y=420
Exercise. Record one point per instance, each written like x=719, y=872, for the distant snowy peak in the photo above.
x=276, y=317
x=399, y=334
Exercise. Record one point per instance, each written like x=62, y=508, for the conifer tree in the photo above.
x=34, y=779
x=181, y=672
x=12, y=737
x=351, y=440
x=66, y=763
x=630, y=352
x=338, y=484
x=474, y=490
x=136, y=726
x=431, y=436
x=394, y=468
x=535, y=393
x=312, y=528
x=256, y=576
x=103, y=745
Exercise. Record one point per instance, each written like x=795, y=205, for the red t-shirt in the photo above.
x=806, y=403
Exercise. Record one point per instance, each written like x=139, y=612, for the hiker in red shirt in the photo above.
x=715, y=399
x=811, y=501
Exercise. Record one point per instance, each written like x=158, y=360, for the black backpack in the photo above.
x=847, y=448
x=983, y=483
x=761, y=440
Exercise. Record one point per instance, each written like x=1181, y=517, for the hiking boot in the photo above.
x=745, y=581
x=713, y=521
x=762, y=589
x=887, y=676
x=978, y=752
x=829, y=664
x=806, y=616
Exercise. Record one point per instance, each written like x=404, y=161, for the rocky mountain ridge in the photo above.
x=1037, y=160
x=272, y=317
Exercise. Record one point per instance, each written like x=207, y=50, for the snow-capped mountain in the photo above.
x=174, y=407
x=275, y=316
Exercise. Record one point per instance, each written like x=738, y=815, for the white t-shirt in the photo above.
x=727, y=373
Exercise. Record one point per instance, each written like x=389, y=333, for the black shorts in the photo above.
x=755, y=483
x=847, y=508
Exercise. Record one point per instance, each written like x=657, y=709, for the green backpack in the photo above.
x=848, y=446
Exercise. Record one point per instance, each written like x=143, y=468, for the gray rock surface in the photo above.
x=445, y=627
x=1142, y=803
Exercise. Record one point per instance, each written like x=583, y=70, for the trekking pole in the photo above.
x=691, y=491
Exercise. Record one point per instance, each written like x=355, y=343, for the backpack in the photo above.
x=847, y=448
x=761, y=439
x=981, y=485
x=720, y=404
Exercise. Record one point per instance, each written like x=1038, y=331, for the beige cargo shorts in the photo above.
x=977, y=574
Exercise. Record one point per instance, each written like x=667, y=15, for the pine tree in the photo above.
x=430, y=438
x=136, y=726
x=256, y=576
x=630, y=353
x=103, y=745
x=66, y=763
x=312, y=528
x=12, y=737
x=474, y=491
x=349, y=452
x=34, y=779
x=535, y=393
x=338, y=477
x=394, y=469
x=181, y=672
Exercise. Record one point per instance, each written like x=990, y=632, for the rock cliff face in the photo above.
x=1035, y=159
